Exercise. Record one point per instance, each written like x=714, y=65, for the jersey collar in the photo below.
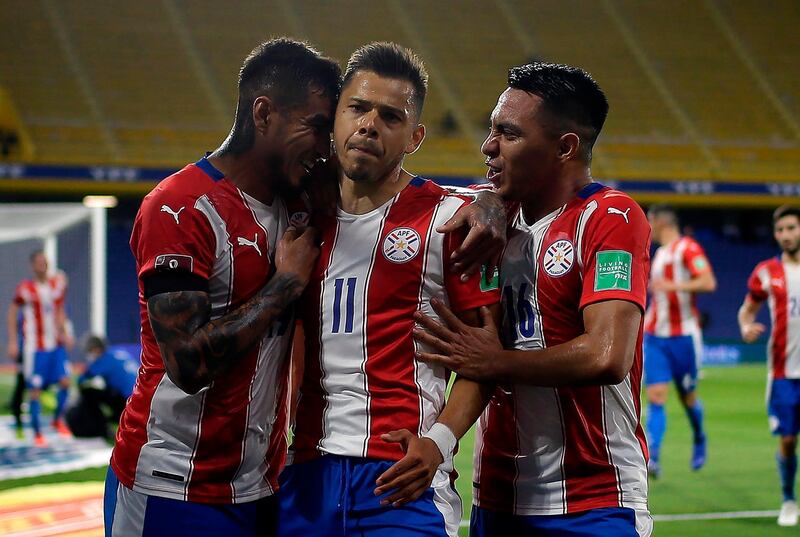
x=209, y=169
x=590, y=189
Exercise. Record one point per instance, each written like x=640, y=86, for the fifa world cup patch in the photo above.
x=558, y=258
x=174, y=262
x=489, y=283
x=613, y=271
x=401, y=244
x=700, y=263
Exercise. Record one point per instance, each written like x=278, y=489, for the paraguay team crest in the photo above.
x=401, y=244
x=558, y=258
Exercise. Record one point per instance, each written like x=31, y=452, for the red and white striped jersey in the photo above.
x=674, y=313
x=550, y=451
x=40, y=303
x=375, y=270
x=227, y=443
x=779, y=283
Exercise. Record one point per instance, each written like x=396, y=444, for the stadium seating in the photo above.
x=698, y=90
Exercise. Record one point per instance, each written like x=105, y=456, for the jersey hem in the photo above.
x=559, y=510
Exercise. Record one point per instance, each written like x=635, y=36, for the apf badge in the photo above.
x=558, y=258
x=401, y=244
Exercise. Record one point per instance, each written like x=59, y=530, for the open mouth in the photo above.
x=493, y=175
x=309, y=163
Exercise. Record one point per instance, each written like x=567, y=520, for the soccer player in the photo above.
x=202, y=440
x=45, y=333
x=559, y=450
x=374, y=437
x=673, y=341
x=777, y=281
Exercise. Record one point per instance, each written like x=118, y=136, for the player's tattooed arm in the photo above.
x=486, y=238
x=196, y=349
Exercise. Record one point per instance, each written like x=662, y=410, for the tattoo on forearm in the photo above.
x=196, y=349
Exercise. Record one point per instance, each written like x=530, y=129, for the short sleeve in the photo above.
x=19, y=294
x=695, y=259
x=615, y=253
x=755, y=286
x=479, y=290
x=171, y=234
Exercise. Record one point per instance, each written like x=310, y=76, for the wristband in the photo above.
x=446, y=441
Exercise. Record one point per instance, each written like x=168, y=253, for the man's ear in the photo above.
x=416, y=139
x=263, y=109
x=569, y=146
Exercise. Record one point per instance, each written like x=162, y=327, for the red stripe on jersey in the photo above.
x=779, y=333
x=590, y=479
x=311, y=413
x=390, y=367
x=498, y=471
x=36, y=303
x=672, y=298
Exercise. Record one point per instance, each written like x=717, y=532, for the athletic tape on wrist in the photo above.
x=445, y=440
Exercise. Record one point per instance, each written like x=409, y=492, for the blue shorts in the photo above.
x=47, y=367
x=332, y=496
x=671, y=358
x=783, y=407
x=616, y=521
x=128, y=513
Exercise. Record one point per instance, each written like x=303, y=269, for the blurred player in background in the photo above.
x=45, y=334
x=559, y=450
x=202, y=439
x=368, y=412
x=104, y=386
x=777, y=281
x=673, y=341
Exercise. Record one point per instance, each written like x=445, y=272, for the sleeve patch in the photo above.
x=613, y=271
x=489, y=283
x=174, y=262
x=700, y=263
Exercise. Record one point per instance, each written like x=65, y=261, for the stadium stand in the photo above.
x=150, y=82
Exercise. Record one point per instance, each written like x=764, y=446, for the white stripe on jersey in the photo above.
x=624, y=452
x=174, y=422
x=591, y=207
x=792, y=280
x=349, y=406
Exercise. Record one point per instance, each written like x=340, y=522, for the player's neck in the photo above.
x=668, y=236
x=361, y=197
x=250, y=175
x=556, y=195
x=793, y=259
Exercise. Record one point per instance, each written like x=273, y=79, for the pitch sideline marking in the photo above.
x=698, y=516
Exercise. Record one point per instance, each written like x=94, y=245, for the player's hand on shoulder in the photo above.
x=486, y=235
x=296, y=253
x=412, y=475
x=752, y=331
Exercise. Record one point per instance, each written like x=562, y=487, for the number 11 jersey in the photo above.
x=374, y=271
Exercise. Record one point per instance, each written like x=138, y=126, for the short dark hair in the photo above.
x=95, y=343
x=35, y=253
x=285, y=70
x=390, y=60
x=785, y=210
x=663, y=210
x=569, y=94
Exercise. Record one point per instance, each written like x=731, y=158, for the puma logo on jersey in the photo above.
x=175, y=214
x=623, y=214
x=241, y=241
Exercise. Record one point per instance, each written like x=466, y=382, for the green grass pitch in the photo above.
x=740, y=474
